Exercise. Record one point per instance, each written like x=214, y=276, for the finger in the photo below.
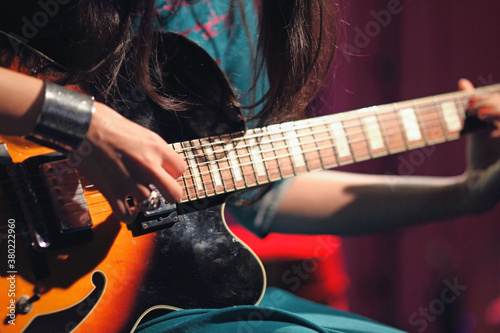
x=157, y=176
x=119, y=207
x=464, y=84
x=124, y=198
x=138, y=196
x=489, y=107
x=168, y=186
x=173, y=163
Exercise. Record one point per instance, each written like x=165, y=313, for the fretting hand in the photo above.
x=482, y=179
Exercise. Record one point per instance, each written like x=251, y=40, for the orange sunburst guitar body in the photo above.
x=117, y=259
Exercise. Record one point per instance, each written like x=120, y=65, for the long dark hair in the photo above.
x=88, y=42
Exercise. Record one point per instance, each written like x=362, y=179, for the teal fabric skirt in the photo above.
x=279, y=311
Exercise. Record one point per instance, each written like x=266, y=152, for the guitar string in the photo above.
x=284, y=147
x=347, y=116
x=307, y=125
x=271, y=142
x=205, y=192
x=187, y=196
x=315, y=142
x=363, y=132
x=346, y=129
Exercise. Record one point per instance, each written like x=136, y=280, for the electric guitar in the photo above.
x=70, y=266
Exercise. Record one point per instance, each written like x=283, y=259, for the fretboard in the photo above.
x=227, y=163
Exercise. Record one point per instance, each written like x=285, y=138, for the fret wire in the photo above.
x=382, y=128
x=229, y=166
x=184, y=179
x=462, y=107
x=252, y=161
x=204, y=184
x=351, y=150
x=318, y=149
x=334, y=147
x=217, y=161
x=241, y=168
x=289, y=148
x=301, y=146
x=264, y=159
x=420, y=123
x=363, y=131
x=442, y=121
x=210, y=170
x=277, y=158
x=190, y=173
x=308, y=132
x=197, y=170
x=401, y=126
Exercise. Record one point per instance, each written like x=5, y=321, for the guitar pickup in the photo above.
x=52, y=201
x=67, y=196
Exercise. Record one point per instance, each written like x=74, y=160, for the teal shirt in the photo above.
x=206, y=23
x=278, y=312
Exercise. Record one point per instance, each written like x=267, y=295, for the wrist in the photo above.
x=102, y=127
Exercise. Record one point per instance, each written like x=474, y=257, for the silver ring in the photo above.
x=152, y=202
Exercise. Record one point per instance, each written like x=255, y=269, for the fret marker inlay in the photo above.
x=294, y=147
x=340, y=140
x=194, y=169
x=233, y=161
x=451, y=117
x=211, y=158
x=373, y=130
x=255, y=151
x=410, y=124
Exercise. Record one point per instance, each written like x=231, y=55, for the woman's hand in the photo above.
x=122, y=159
x=125, y=158
x=482, y=179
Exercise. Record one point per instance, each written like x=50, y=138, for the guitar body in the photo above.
x=109, y=282
x=110, y=279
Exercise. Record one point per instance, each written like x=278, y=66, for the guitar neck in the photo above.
x=223, y=164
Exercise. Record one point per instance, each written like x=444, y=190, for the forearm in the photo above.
x=344, y=204
x=21, y=99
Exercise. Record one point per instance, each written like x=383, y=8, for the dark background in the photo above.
x=422, y=48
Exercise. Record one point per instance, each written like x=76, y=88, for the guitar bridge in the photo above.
x=163, y=215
